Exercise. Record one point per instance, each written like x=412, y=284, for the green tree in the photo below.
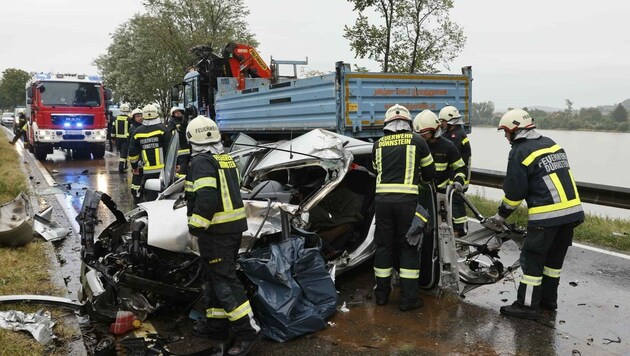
x=149, y=53
x=414, y=36
x=12, y=87
x=620, y=114
x=483, y=112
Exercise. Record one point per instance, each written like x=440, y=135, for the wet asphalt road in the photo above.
x=592, y=318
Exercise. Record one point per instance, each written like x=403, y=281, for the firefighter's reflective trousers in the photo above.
x=541, y=261
x=393, y=219
x=227, y=306
x=123, y=152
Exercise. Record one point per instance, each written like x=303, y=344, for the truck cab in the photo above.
x=66, y=111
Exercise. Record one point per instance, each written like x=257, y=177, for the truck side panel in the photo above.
x=298, y=105
x=367, y=96
x=347, y=102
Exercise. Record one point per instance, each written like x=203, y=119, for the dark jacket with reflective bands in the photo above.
x=538, y=172
x=213, y=196
x=148, y=144
x=401, y=160
x=449, y=166
x=460, y=140
x=121, y=126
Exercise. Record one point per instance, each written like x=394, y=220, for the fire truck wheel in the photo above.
x=98, y=152
x=40, y=152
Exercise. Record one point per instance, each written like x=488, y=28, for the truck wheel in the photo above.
x=98, y=151
x=40, y=152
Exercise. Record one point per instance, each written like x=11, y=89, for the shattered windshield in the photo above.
x=70, y=94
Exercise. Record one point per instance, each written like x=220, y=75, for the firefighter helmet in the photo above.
x=124, y=108
x=202, y=131
x=426, y=121
x=516, y=119
x=397, y=112
x=450, y=114
x=136, y=111
x=150, y=112
x=174, y=109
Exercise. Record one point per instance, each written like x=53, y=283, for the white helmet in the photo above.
x=397, y=112
x=202, y=131
x=451, y=115
x=124, y=108
x=175, y=108
x=516, y=119
x=427, y=121
x=136, y=111
x=150, y=112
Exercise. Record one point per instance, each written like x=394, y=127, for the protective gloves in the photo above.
x=495, y=223
x=418, y=227
x=458, y=187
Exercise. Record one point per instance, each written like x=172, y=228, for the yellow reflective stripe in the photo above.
x=556, y=181
x=465, y=141
x=180, y=175
x=457, y=164
x=426, y=161
x=512, y=203
x=462, y=175
x=383, y=272
x=551, y=272
x=532, y=156
x=198, y=221
x=531, y=280
x=158, y=158
x=396, y=188
x=125, y=126
x=133, y=158
x=135, y=186
x=443, y=184
x=209, y=182
x=441, y=166
x=460, y=220
x=228, y=216
x=188, y=186
x=554, y=207
x=421, y=217
x=410, y=164
x=225, y=192
x=216, y=313
x=378, y=163
x=240, y=312
x=409, y=273
x=148, y=134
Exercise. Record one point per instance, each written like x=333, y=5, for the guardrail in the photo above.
x=618, y=197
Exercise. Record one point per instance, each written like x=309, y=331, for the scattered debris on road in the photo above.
x=610, y=341
x=48, y=229
x=574, y=283
x=39, y=324
x=344, y=308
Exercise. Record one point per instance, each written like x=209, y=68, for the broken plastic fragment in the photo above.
x=573, y=284
x=344, y=308
x=49, y=230
x=39, y=324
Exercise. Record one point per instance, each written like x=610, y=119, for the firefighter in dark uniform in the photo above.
x=136, y=179
x=538, y=172
x=401, y=159
x=451, y=119
x=121, y=132
x=177, y=126
x=148, y=145
x=449, y=165
x=216, y=216
x=22, y=128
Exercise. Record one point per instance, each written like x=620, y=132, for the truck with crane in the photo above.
x=244, y=95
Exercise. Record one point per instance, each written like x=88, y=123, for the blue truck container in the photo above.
x=347, y=102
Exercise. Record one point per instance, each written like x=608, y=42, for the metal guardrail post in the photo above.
x=618, y=197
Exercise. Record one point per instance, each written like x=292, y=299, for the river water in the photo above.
x=595, y=157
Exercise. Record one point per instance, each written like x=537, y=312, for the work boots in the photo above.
x=549, y=295
x=406, y=306
x=519, y=311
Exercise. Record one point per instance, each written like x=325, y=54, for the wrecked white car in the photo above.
x=318, y=184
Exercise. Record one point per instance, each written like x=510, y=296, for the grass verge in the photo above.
x=596, y=230
x=25, y=270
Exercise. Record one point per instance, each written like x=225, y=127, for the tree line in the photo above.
x=591, y=118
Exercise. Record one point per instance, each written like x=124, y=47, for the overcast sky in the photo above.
x=522, y=53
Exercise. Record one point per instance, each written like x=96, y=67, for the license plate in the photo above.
x=74, y=132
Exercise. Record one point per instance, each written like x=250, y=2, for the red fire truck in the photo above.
x=67, y=111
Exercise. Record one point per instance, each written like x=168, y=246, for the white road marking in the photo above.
x=600, y=250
